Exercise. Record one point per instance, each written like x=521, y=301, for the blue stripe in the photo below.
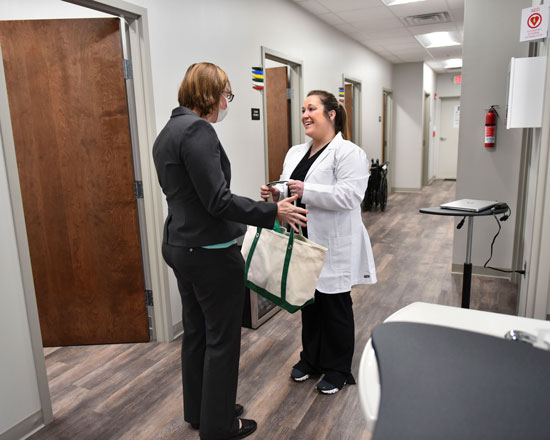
x=220, y=245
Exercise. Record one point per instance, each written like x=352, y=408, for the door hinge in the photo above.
x=289, y=93
x=138, y=189
x=149, y=298
x=127, y=69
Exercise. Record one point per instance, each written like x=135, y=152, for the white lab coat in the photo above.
x=333, y=190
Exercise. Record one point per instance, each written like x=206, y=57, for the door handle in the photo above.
x=442, y=139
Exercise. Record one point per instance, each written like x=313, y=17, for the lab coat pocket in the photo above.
x=340, y=253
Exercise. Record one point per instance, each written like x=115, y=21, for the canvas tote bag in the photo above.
x=282, y=266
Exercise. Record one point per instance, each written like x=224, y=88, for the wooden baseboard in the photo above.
x=25, y=427
x=482, y=271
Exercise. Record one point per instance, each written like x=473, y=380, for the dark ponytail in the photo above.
x=330, y=102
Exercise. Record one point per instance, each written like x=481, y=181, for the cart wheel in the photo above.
x=383, y=193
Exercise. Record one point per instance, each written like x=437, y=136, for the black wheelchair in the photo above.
x=377, y=189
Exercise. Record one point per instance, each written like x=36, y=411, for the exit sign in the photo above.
x=457, y=79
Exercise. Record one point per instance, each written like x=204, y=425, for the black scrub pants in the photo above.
x=328, y=338
x=211, y=285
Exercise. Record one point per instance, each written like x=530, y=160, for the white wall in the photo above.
x=230, y=34
x=485, y=174
x=408, y=98
x=19, y=389
x=445, y=86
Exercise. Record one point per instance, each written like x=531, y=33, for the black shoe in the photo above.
x=247, y=428
x=238, y=411
x=298, y=375
x=325, y=387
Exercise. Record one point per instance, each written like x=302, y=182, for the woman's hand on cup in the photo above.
x=296, y=187
x=289, y=213
x=270, y=191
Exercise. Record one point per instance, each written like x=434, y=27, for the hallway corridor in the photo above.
x=133, y=391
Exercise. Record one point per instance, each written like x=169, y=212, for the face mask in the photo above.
x=222, y=113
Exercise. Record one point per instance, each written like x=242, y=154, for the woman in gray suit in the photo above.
x=204, y=219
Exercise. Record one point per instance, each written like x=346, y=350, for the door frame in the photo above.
x=426, y=118
x=145, y=135
x=24, y=256
x=356, y=102
x=296, y=85
x=387, y=119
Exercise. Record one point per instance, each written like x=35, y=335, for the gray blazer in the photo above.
x=195, y=175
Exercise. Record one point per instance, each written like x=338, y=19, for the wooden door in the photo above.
x=70, y=123
x=348, y=102
x=278, y=120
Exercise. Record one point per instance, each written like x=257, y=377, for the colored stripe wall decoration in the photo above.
x=341, y=94
x=257, y=78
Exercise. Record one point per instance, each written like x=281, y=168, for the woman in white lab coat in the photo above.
x=330, y=175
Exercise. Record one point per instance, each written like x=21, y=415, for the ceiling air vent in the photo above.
x=422, y=19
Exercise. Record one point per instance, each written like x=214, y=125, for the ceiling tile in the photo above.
x=417, y=54
x=314, y=7
x=425, y=7
x=331, y=18
x=348, y=28
x=367, y=14
x=376, y=25
x=404, y=46
x=379, y=28
x=455, y=4
x=388, y=33
x=390, y=42
x=348, y=5
x=444, y=53
x=457, y=14
x=428, y=28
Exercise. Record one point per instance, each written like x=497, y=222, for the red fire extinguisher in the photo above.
x=491, y=128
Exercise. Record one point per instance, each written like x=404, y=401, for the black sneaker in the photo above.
x=298, y=376
x=325, y=387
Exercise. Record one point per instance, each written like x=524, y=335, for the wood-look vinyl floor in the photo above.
x=133, y=391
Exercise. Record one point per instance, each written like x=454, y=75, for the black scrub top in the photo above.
x=300, y=173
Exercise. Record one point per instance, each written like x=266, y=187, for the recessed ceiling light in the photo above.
x=399, y=2
x=437, y=39
x=452, y=63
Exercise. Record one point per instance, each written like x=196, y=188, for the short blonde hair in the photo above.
x=202, y=87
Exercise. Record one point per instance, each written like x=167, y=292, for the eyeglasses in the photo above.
x=228, y=95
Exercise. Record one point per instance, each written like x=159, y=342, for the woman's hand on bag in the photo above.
x=270, y=191
x=290, y=213
x=296, y=187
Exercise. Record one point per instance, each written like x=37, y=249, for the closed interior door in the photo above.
x=69, y=115
x=348, y=103
x=448, y=138
x=278, y=119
